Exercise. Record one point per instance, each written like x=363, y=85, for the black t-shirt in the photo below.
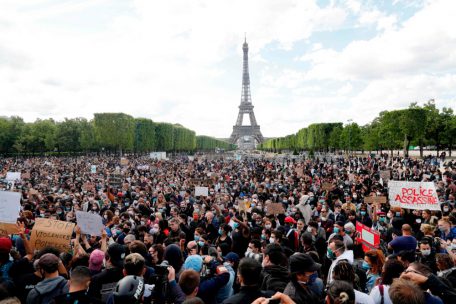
x=240, y=243
x=77, y=297
x=102, y=281
x=24, y=284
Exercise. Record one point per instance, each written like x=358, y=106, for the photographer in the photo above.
x=213, y=277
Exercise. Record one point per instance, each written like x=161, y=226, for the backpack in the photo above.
x=48, y=297
x=295, y=244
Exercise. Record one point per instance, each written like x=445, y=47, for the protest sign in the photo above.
x=88, y=186
x=47, y=232
x=89, y=223
x=93, y=169
x=201, y=191
x=25, y=175
x=123, y=161
x=351, y=177
x=275, y=208
x=375, y=200
x=13, y=176
x=143, y=167
x=385, y=175
x=299, y=172
x=10, y=206
x=369, y=237
x=242, y=206
x=157, y=155
x=413, y=195
x=326, y=186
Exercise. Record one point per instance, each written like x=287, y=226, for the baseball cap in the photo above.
x=232, y=257
x=290, y=220
x=301, y=262
x=5, y=244
x=49, y=262
x=116, y=254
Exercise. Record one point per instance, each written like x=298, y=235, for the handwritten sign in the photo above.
x=242, y=206
x=369, y=237
x=25, y=175
x=413, y=195
x=6, y=229
x=13, y=176
x=124, y=161
x=326, y=186
x=375, y=200
x=90, y=223
x=275, y=208
x=93, y=169
x=201, y=191
x=47, y=232
x=10, y=206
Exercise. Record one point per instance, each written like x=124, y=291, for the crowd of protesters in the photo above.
x=163, y=244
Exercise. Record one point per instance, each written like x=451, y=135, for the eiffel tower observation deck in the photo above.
x=246, y=137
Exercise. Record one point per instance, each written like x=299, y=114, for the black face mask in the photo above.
x=126, y=230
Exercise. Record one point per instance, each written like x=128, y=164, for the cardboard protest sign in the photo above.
x=369, y=237
x=385, y=175
x=93, y=169
x=89, y=223
x=275, y=208
x=10, y=206
x=326, y=186
x=299, y=172
x=351, y=177
x=413, y=195
x=124, y=161
x=242, y=206
x=47, y=232
x=25, y=175
x=6, y=229
x=13, y=176
x=375, y=200
x=201, y=191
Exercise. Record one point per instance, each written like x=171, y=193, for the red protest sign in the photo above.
x=369, y=237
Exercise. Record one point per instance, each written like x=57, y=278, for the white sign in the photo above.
x=413, y=195
x=89, y=223
x=10, y=206
x=201, y=191
x=93, y=169
x=13, y=176
x=158, y=155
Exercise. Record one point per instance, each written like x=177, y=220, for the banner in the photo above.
x=89, y=223
x=201, y=191
x=47, y=232
x=368, y=236
x=413, y=195
x=157, y=155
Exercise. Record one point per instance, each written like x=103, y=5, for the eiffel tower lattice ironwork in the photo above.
x=246, y=136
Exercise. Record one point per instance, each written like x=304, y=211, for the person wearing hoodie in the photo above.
x=337, y=252
x=52, y=285
x=275, y=275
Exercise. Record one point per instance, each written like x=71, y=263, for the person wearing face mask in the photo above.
x=240, y=236
x=427, y=255
x=275, y=275
x=373, y=264
x=337, y=252
x=339, y=230
x=254, y=250
x=224, y=231
x=303, y=270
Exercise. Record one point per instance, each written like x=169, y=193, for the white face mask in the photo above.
x=426, y=252
x=271, y=240
x=267, y=226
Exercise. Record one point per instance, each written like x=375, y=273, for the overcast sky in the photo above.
x=181, y=61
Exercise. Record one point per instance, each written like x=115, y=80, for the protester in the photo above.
x=191, y=247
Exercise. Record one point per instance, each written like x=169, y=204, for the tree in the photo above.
x=145, y=137
x=68, y=134
x=114, y=131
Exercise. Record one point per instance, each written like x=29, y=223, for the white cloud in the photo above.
x=173, y=61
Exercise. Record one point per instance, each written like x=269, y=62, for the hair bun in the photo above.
x=344, y=297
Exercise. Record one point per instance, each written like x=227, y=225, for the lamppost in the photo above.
x=349, y=136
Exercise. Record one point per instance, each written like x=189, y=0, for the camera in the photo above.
x=159, y=281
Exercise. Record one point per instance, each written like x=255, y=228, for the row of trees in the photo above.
x=399, y=129
x=107, y=131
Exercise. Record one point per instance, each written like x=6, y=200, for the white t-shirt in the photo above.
x=375, y=294
x=363, y=298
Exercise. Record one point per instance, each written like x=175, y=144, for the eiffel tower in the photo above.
x=248, y=136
